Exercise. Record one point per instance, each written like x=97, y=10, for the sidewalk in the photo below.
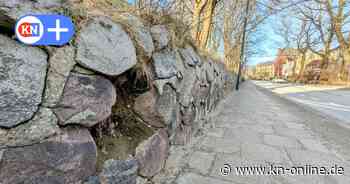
x=255, y=128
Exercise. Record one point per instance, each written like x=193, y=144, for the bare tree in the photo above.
x=295, y=32
x=202, y=21
x=339, y=12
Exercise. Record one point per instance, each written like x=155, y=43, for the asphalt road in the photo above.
x=330, y=101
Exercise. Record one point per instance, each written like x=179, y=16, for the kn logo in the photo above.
x=44, y=29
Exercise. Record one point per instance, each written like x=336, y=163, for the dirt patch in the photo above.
x=118, y=136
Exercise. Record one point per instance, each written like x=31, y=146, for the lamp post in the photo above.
x=243, y=45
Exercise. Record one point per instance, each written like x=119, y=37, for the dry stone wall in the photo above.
x=53, y=99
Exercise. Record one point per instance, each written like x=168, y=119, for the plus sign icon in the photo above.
x=44, y=29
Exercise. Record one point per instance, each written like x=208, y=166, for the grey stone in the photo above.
x=167, y=105
x=146, y=107
x=159, y=84
x=157, y=110
x=209, y=70
x=174, y=81
x=152, y=154
x=160, y=36
x=188, y=114
x=10, y=11
x=201, y=94
x=140, y=180
x=92, y=180
x=61, y=62
x=190, y=56
x=186, y=87
x=164, y=63
x=22, y=80
x=119, y=172
x=180, y=65
x=138, y=31
x=41, y=127
x=87, y=100
x=66, y=158
x=103, y=46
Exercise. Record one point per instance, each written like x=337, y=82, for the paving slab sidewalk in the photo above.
x=253, y=127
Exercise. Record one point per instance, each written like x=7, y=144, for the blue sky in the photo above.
x=269, y=44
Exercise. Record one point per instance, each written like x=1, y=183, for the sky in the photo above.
x=270, y=43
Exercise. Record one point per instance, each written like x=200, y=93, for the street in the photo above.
x=328, y=100
x=254, y=128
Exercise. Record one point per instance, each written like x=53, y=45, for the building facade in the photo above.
x=265, y=71
x=285, y=63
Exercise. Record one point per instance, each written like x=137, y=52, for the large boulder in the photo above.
x=209, y=70
x=66, y=158
x=188, y=114
x=201, y=92
x=190, y=56
x=104, y=46
x=138, y=31
x=61, y=62
x=119, y=172
x=167, y=64
x=146, y=107
x=160, y=36
x=87, y=100
x=11, y=10
x=174, y=81
x=186, y=87
x=41, y=127
x=167, y=105
x=157, y=110
x=152, y=153
x=159, y=84
x=22, y=80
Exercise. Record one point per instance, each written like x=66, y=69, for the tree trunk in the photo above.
x=207, y=23
x=302, y=67
x=324, y=65
x=344, y=64
x=196, y=18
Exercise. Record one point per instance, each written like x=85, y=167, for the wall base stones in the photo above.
x=119, y=172
x=120, y=85
x=65, y=158
x=152, y=153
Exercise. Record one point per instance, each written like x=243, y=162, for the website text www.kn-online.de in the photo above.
x=271, y=170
